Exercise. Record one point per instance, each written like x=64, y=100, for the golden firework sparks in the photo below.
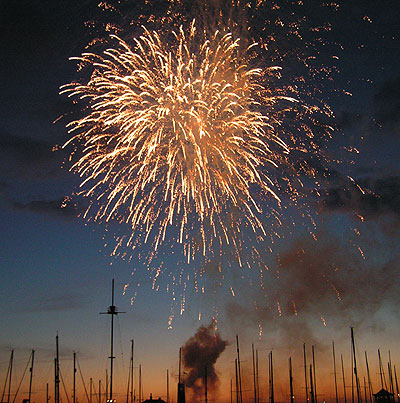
x=174, y=136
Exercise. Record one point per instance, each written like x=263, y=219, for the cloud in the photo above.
x=29, y=159
x=349, y=120
x=60, y=207
x=379, y=197
x=26, y=149
x=387, y=103
x=44, y=352
x=384, y=112
x=3, y=186
x=60, y=302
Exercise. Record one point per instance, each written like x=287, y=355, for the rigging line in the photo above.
x=8, y=373
x=23, y=375
x=95, y=391
x=129, y=382
x=104, y=345
x=120, y=342
x=65, y=389
x=83, y=381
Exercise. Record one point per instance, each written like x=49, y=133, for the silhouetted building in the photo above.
x=151, y=400
x=383, y=396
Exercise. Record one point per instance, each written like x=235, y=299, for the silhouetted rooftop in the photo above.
x=159, y=400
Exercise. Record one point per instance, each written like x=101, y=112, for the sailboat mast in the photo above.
x=305, y=370
x=57, y=375
x=239, y=375
x=369, y=378
x=167, y=386
x=271, y=379
x=112, y=310
x=205, y=384
x=181, y=385
x=355, y=365
x=90, y=390
x=344, y=384
x=30, y=379
x=390, y=374
x=106, y=384
x=140, y=383
x=397, y=385
x=9, y=381
x=74, y=381
x=334, y=370
x=55, y=380
x=237, y=381
x=180, y=363
x=365, y=390
x=383, y=385
x=352, y=377
x=131, y=370
x=8, y=378
x=257, y=378
x=315, y=375
x=311, y=385
x=254, y=374
x=291, y=380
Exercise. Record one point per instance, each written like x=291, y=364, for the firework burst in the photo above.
x=178, y=134
x=210, y=133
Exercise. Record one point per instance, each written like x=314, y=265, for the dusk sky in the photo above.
x=56, y=265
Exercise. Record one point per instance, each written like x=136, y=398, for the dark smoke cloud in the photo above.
x=320, y=281
x=331, y=269
x=201, y=351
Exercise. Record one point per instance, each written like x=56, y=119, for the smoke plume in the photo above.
x=201, y=351
x=331, y=283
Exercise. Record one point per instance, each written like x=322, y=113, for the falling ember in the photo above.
x=133, y=299
x=361, y=252
x=279, y=308
x=336, y=291
x=170, y=320
x=294, y=308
